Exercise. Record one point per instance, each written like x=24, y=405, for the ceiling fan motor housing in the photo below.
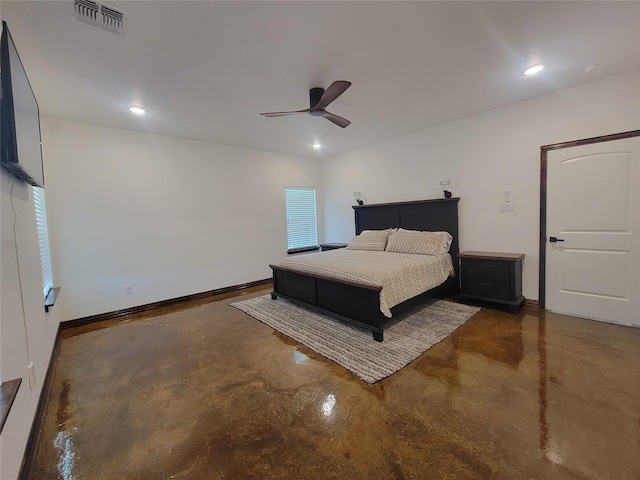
x=315, y=94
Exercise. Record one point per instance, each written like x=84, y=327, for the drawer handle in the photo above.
x=486, y=265
x=484, y=284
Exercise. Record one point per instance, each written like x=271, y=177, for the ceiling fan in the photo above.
x=319, y=99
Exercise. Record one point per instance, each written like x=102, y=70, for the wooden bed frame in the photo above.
x=360, y=304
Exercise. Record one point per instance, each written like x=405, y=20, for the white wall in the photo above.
x=168, y=216
x=27, y=335
x=483, y=156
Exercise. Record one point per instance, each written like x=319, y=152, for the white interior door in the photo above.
x=593, y=210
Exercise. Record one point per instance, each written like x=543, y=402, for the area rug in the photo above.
x=418, y=328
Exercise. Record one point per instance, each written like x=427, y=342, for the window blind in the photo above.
x=43, y=239
x=302, y=224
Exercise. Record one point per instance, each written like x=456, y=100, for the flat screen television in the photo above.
x=21, y=150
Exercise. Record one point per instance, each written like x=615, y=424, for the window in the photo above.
x=302, y=224
x=43, y=239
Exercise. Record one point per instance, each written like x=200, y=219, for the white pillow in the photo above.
x=445, y=236
x=422, y=243
x=374, y=240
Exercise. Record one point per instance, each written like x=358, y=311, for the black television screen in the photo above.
x=21, y=152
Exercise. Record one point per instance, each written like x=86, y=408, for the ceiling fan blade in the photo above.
x=283, y=114
x=341, y=122
x=336, y=89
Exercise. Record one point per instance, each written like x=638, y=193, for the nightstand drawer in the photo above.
x=483, y=287
x=486, y=269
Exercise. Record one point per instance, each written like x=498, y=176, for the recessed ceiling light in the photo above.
x=534, y=69
x=137, y=110
x=317, y=145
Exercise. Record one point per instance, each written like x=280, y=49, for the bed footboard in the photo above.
x=348, y=302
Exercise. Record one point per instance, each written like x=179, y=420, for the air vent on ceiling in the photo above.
x=99, y=13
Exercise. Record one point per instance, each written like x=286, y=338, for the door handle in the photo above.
x=555, y=239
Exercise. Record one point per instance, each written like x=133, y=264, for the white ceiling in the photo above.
x=205, y=70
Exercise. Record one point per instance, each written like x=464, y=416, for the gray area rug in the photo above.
x=418, y=328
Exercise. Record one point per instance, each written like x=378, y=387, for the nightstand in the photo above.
x=332, y=246
x=492, y=277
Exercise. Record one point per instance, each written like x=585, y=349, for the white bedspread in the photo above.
x=401, y=275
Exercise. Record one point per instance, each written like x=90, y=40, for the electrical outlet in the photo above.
x=31, y=373
x=507, y=207
x=128, y=289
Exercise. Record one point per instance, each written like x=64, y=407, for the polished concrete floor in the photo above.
x=210, y=393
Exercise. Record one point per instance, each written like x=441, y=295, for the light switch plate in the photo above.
x=507, y=207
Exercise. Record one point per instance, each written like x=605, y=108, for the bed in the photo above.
x=355, y=297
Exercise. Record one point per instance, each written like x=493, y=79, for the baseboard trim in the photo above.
x=531, y=303
x=172, y=302
x=34, y=432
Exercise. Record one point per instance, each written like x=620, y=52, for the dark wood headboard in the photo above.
x=430, y=215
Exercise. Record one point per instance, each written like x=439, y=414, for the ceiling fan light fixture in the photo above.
x=532, y=70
